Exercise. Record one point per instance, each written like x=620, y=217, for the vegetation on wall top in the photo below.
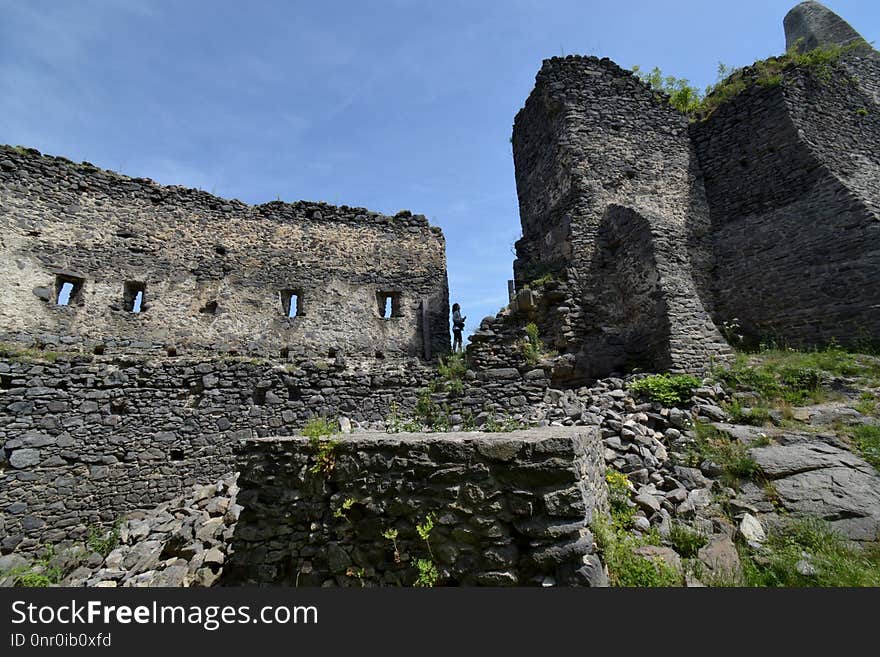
x=822, y=62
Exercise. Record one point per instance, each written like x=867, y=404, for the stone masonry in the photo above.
x=611, y=202
x=508, y=509
x=201, y=334
x=216, y=275
x=646, y=232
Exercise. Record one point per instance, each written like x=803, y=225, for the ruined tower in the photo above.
x=611, y=202
x=645, y=230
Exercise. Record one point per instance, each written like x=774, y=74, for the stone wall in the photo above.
x=592, y=136
x=216, y=274
x=86, y=438
x=792, y=180
x=508, y=509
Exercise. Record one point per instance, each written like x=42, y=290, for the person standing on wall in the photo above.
x=457, y=326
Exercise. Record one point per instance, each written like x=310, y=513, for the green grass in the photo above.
x=780, y=376
x=731, y=455
x=625, y=568
x=103, y=541
x=866, y=439
x=756, y=415
x=836, y=562
x=24, y=354
x=616, y=543
x=821, y=62
x=503, y=425
x=38, y=574
x=669, y=390
x=867, y=404
x=686, y=540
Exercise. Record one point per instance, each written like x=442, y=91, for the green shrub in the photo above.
x=666, y=389
x=450, y=375
x=541, y=273
x=544, y=279
x=619, y=489
x=319, y=427
x=682, y=96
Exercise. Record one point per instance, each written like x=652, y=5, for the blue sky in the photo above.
x=392, y=104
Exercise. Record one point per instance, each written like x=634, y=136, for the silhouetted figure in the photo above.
x=457, y=326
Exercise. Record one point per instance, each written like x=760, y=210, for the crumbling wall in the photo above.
x=792, y=181
x=510, y=509
x=217, y=273
x=590, y=136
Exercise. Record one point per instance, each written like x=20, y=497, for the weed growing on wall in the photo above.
x=450, y=374
x=391, y=535
x=626, y=568
x=318, y=430
x=532, y=347
x=682, y=96
x=428, y=573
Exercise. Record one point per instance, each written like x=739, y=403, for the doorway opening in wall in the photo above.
x=133, y=296
x=389, y=304
x=68, y=290
x=291, y=303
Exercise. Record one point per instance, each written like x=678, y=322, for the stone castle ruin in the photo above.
x=763, y=213
x=215, y=276
x=159, y=337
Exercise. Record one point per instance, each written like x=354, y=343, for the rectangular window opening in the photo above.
x=68, y=290
x=133, y=295
x=291, y=303
x=389, y=304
